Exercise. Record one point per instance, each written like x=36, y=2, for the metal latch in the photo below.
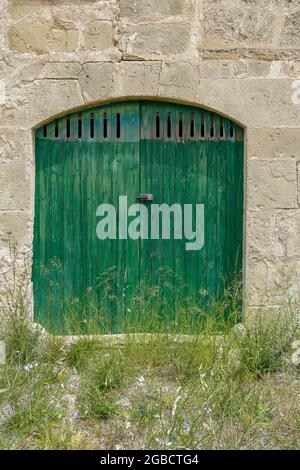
x=145, y=197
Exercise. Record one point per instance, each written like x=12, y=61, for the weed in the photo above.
x=94, y=403
x=263, y=343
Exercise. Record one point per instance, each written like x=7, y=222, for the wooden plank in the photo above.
x=78, y=234
x=107, y=263
x=221, y=216
x=220, y=206
x=83, y=152
x=120, y=180
x=230, y=209
x=202, y=199
x=150, y=153
x=69, y=218
x=93, y=200
x=152, y=148
x=116, y=176
x=57, y=226
x=239, y=155
x=146, y=161
x=132, y=163
x=211, y=225
x=46, y=227
x=168, y=181
x=37, y=247
x=192, y=195
x=181, y=190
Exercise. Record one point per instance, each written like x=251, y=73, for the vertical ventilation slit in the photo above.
x=56, y=129
x=157, y=126
x=202, y=131
x=180, y=126
x=118, y=125
x=212, y=127
x=92, y=126
x=105, y=126
x=79, y=126
x=231, y=130
x=45, y=131
x=68, y=127
x=221, y=128
x=169, y=126
x=192, y=130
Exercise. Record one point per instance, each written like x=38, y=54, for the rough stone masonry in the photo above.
x=238, y=57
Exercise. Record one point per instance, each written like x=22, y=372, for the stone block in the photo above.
x=290, y=33
x=42, y=38
x=15, y=188
x=273, y=282
x=254, y=103
x=134, y=78
x=291, y=68
x=40, y=100
x=177, y=78
x=15, y=144
x=236, y=24
x=98, y=35
x=96, y=81
x=64, y=70
x=273, y=144
x=18, y=9
x=16, y=226
x=258, y=68
x=273, y=233
x=151, y=8
x=214, y=69
x=156, y=39
x=272, y=184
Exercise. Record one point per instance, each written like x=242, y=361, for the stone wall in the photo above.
x=239, y=57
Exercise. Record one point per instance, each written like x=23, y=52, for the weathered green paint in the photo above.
x=75, y=174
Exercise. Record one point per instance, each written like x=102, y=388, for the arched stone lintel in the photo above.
x=96, y=103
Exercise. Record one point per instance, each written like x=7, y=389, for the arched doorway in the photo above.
x=92, y=169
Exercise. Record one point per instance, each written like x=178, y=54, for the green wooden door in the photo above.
x=178, y=155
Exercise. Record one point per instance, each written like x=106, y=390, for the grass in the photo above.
x=147, y=309
x=224, y=387
x=229, y=391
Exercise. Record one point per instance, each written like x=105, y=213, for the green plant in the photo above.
x=94, y=403
x=81, y=352
x=109, y=372
x=145, y=410
x=262, y=343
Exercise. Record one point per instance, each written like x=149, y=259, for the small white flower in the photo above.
x=141, y=381
x=30, y=366
x=186, y=426
x=207, y=410
x=165, y=389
